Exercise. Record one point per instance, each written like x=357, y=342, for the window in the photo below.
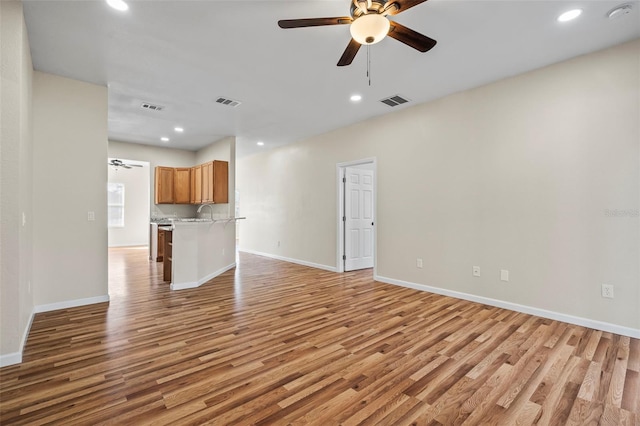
x=115, y=205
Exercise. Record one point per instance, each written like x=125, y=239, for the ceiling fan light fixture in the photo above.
x=369, y=28
x=118, y=5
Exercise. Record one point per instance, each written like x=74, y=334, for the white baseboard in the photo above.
x=10, y=359
x=16, y=357
x=290, y=260
x=194, y=284
x=584, y=322
x=70, y=304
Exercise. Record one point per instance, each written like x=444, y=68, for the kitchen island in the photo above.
x=201, y=249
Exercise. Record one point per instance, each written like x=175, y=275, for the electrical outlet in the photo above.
x=91, y=216
x=504, y=275
x=419, y=263
x=476, y=271
x=607, y=291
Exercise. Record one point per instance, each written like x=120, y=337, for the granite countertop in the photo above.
x=191, y=220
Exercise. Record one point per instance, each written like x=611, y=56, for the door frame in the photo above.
x=340, y=239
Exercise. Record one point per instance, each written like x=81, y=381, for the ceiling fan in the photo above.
x=119, y=163
x=369, y=25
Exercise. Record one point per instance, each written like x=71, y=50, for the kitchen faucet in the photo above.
x=210, y=209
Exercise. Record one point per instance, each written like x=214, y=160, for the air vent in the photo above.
x=228, y=102
x=394, y=101
x=147, y=105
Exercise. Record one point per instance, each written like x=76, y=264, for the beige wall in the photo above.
x=16, y=300
x=515, y=175
x=157, y=156
x=69, y=180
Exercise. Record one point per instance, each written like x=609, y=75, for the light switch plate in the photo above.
x=419, y=263
x=504, y=275
x=476, y=271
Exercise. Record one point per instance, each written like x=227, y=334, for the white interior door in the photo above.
x=358, y=235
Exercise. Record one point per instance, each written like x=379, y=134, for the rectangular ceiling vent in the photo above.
x=151, y=107
x=394, y=100
x=228, y=102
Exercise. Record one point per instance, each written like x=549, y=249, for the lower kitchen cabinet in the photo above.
x=160, y=254
x=168, y=258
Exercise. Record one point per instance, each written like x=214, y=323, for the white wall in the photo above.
x=69, y=180
x=16, y=73
x=514, y=175
x=157, y=156
x=136, y=181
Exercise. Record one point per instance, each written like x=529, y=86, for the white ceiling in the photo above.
x=183, y=55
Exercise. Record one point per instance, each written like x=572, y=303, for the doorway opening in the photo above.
x=128, y=204
x=356, y=239
x=128, y=211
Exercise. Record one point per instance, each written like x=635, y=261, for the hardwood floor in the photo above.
x=278, y=343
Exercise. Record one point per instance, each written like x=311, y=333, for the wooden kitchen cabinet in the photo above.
x=160, y=249
x=215, y=182
x=204, y=183
x=196, y=185
x=207, y=176
x=168, y=255
x=173, y=185
x=164, y=185
x=220, y=182
x=182, y=185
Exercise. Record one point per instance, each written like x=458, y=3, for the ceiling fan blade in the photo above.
x=134, y=165
x=393, y=7
x=313, y=22
x=411, y=38
x=349, y=53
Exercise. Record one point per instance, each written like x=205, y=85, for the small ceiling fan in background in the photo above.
x=369, y=24
x=119, y=163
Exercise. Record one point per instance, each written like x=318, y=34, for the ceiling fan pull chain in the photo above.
x=369, y=64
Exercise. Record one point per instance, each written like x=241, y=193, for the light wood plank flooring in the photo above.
x=277, y=343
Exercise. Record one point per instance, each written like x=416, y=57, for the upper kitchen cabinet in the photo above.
x=173, y=185
x=164, y=185
x=182, y=185
x=196, y=184
x=215, y=182
x=205, y=183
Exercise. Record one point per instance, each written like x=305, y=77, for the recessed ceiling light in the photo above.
x=178, y=129
x=164, y=139
x=356, y=98
x=118, y=5
x=260, y=143
x=569, y=15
